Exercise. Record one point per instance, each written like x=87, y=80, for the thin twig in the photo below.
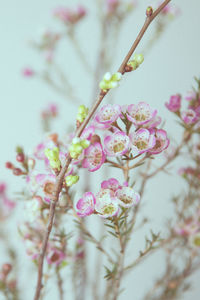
x=60, y=284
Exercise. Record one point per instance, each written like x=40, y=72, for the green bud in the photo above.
x=103, y=85
x=53, y=157
x=139, y=58
x=78, y=148
x=116, y=76
x=80, y=118
x=110, y=81
x=133, y=64
x=73, y=154
x=82, y=113
x=71, y=179
x=85, y=144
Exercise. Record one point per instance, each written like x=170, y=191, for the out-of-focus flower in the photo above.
x=7, y=205
x=189, y=116
x=174, y=103
x=55, y=256
x=28, y=72
x=195, y=240
x=69, y=16
x=51, y=111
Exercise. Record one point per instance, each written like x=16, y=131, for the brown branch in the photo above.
x=60, y=177
x=60, y=284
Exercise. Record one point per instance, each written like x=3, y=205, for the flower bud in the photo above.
x=82, y=113
x=20, y=157
x=17, y=171
x=6, y=268
x=149, y=11
x=9, y=165
x=53, y=157
x=139, y=58
x=71, y=179
x=110, y=81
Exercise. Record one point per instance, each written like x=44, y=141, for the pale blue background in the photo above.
x=169, y=68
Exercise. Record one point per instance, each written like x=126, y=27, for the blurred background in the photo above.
x=169, y=68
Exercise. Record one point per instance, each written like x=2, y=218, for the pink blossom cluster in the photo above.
x=5, y=278
x=190, y=229
x=47, y=43
x=190, y=172
x=51, y=111
x=170, y=11
x=108, y=200
x=68, y=15
x=7, y=205
x=189, y=116
x=118, y=7
x=141, y=134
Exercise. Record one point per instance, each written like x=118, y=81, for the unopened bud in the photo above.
x=95, y=139
x=149, y=11
x=20, y=157
x=6, y=268
x=17, y=171
x=9, y=165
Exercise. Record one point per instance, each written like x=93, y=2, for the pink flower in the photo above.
x=111, y=184
x=106, y=205
x=162, y=142
x=140, y=113
x=142, y=141
x=116, y=144
x=85, y=206
x=153, y=122
x=189, y=116
x=7, y=205
x=88, y=132
x=28, y=72
x=107, y=115
x=127, y=197
x=50, y=111
x=174, y=104
x=188, y=227
x=94, y=157
x=69, y=16
x=112, y=5
x=170, y=11
x=191, y=96
x=2, y=187
x=55, y=256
